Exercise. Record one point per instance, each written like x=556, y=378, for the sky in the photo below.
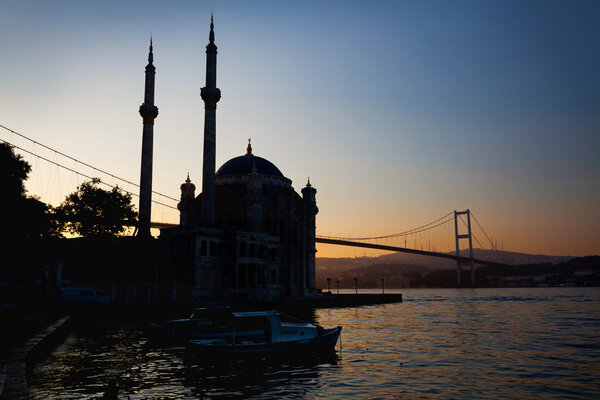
x=398, y=111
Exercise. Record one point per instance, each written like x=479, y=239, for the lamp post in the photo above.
x=382, y=285
x=337, y=281
x=329, y=285
x=356, y=285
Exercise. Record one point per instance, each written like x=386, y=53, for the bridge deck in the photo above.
x=338, y=242
x=465, y=260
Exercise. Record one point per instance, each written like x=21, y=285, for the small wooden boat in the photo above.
x=204, y=322
x=267, y=332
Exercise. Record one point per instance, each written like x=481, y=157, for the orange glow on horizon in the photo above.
x=334, y=251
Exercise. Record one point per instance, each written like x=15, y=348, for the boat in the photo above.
x=204, y=322
x=83, y=296
x=268, y=332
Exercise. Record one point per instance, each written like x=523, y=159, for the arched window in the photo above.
x=203, y=248
x=251, y=250
x=261, y=251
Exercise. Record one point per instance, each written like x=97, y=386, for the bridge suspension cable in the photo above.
x=481, y=246
x=411, y=232
x=425, y=239
x=82, y=174
x=80, y=162
x=488, y=238
x=440, y=221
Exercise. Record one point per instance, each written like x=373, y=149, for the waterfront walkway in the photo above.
x=20, y=359
x=17, y=360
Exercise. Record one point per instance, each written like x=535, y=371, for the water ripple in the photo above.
x=438, y=344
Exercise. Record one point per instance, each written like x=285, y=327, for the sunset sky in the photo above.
x=399, y=111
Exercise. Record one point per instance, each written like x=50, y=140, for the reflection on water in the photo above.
x=84, y=365
x=483, y=343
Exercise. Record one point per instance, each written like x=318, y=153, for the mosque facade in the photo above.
x=248, y=233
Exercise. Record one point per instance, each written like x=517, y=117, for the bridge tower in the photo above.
x=211, y=95
x=149, y=112
x=463, y=236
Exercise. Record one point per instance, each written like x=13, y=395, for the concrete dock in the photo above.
x=331, y=301
x=18, y=360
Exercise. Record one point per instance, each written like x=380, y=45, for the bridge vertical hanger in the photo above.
x=457, y=239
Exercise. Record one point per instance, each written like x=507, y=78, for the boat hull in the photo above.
x=324, y=342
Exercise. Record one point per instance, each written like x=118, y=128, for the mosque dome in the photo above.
x=243, y=165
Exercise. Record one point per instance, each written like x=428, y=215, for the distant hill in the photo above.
x=432, y=263
x=402, y=269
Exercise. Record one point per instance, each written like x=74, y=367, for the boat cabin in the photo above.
x=269, y=327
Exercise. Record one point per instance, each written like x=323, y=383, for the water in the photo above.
x=525, y=343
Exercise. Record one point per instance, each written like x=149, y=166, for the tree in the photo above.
x=91, y=211
x=14, y=171
x=21, y=216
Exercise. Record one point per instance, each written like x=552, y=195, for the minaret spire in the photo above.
x=211, y=95
x=150, y=55
x=149, y=112
x=211, y=35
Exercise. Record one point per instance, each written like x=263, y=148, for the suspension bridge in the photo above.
x=441, y=238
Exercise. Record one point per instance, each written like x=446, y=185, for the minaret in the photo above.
x=211, y=95
x=187, y=197
x=311, y=210
x=149, y=112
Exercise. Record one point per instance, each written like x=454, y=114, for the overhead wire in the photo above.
x=414, y=231
x=84, y=175
x=80, y=162
x=422, y=228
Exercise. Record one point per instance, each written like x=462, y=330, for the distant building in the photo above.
x=514, y=281
x=249, y=233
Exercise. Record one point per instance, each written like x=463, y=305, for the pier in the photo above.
x=19, y=359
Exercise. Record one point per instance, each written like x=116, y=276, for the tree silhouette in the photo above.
x=21, y=216
x=14, y=171
x=91, y=211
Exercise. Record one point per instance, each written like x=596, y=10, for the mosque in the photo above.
x=249, y=233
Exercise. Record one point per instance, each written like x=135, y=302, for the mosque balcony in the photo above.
x=148, y=111
x=210, y=95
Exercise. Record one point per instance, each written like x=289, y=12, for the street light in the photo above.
x=329, y=285
x=356, y=285
x=382, y=285
x=337, y=281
